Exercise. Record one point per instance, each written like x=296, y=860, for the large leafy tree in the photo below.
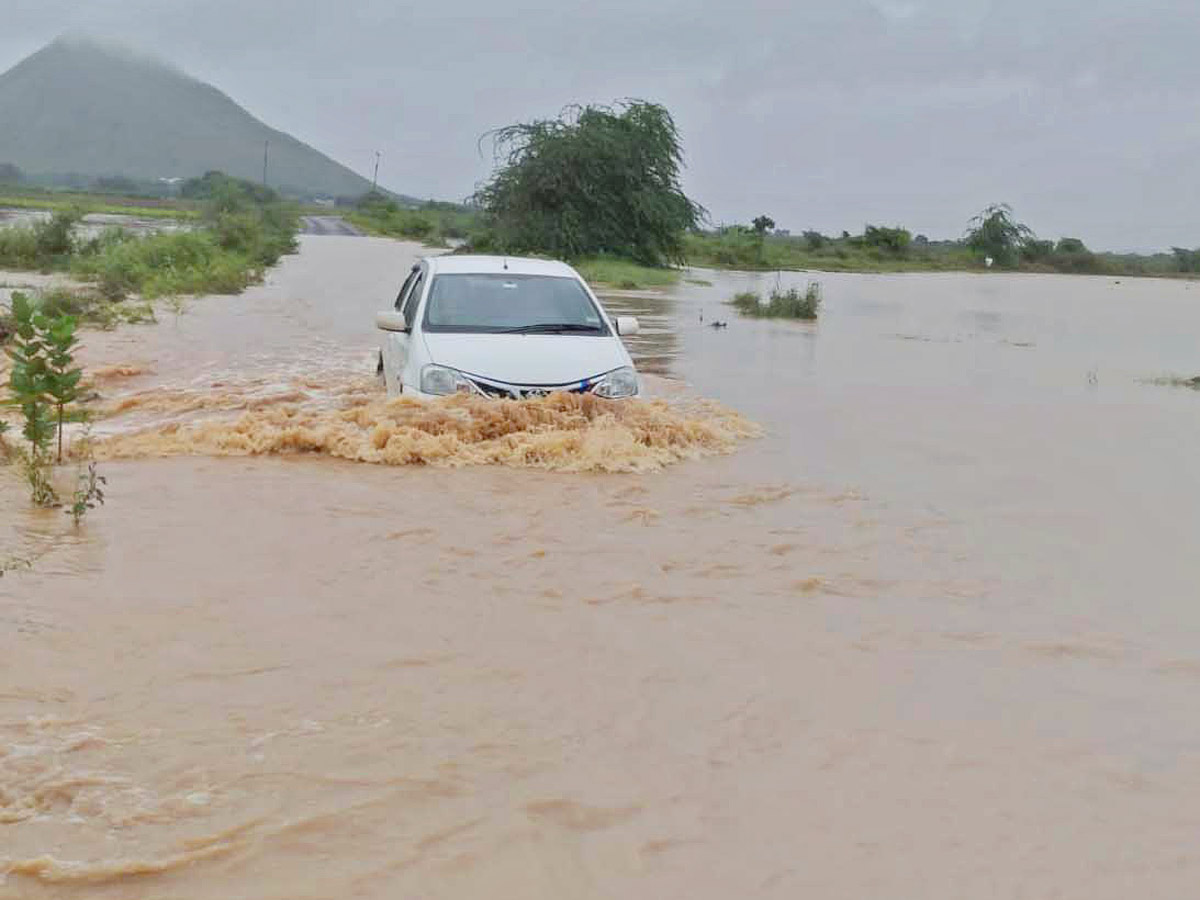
x=595, y=180
x=995, y=233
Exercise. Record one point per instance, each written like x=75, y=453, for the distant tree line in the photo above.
x=993, y=238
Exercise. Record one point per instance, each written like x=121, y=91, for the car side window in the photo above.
x=414, y=297
x=404, y=288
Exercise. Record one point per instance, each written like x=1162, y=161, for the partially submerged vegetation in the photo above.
x=243, y=230
x=780, y=304
x=86, y=305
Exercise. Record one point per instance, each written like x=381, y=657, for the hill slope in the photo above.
x=81, y=106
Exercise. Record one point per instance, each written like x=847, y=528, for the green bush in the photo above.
x=790, y=304
x=892, y=240
x=54, y=236
x=18, y=248
x=43, y=245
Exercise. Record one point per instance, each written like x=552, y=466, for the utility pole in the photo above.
x=375, y=180
x=266, y=150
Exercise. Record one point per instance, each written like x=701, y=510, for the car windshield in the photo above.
x=499, y=303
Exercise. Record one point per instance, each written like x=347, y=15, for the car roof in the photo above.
x=497, y=265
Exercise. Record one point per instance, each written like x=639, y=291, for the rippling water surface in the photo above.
x=900, y=604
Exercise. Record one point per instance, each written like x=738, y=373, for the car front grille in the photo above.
x=528, y=391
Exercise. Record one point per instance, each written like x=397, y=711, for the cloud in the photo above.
x=822, y=114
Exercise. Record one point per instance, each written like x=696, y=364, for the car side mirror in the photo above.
x=627, y=325
x=390, y=320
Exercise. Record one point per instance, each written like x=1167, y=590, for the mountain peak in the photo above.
x=94, y=106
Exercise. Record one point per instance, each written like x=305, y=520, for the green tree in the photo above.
x=762, y=225
x=595, y=180
x=1070, y=245
x=995, y=233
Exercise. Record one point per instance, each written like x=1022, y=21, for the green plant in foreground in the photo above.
x=28, y=379
x=790, y=304
x=43, y=383
x=44, y=380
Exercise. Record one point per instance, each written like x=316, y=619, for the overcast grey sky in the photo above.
x=1083, y=114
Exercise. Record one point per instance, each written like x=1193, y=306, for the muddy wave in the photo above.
x=561, y=432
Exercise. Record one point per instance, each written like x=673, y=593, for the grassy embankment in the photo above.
x=623, y=274
x=237, y=237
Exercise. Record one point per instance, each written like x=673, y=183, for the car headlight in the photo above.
x=442, y=380
x=618, y=383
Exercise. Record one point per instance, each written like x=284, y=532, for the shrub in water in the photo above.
x=790, y=304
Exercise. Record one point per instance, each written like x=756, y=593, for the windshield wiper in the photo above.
x=551, y=328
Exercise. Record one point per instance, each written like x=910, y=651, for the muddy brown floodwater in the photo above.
x=934, y=632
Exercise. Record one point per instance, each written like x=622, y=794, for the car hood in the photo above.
x=529, y=359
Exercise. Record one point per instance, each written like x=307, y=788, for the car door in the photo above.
x=397, y=343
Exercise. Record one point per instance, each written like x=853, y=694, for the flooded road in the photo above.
x=933, y=634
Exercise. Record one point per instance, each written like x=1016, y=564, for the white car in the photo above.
x=497, y=326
